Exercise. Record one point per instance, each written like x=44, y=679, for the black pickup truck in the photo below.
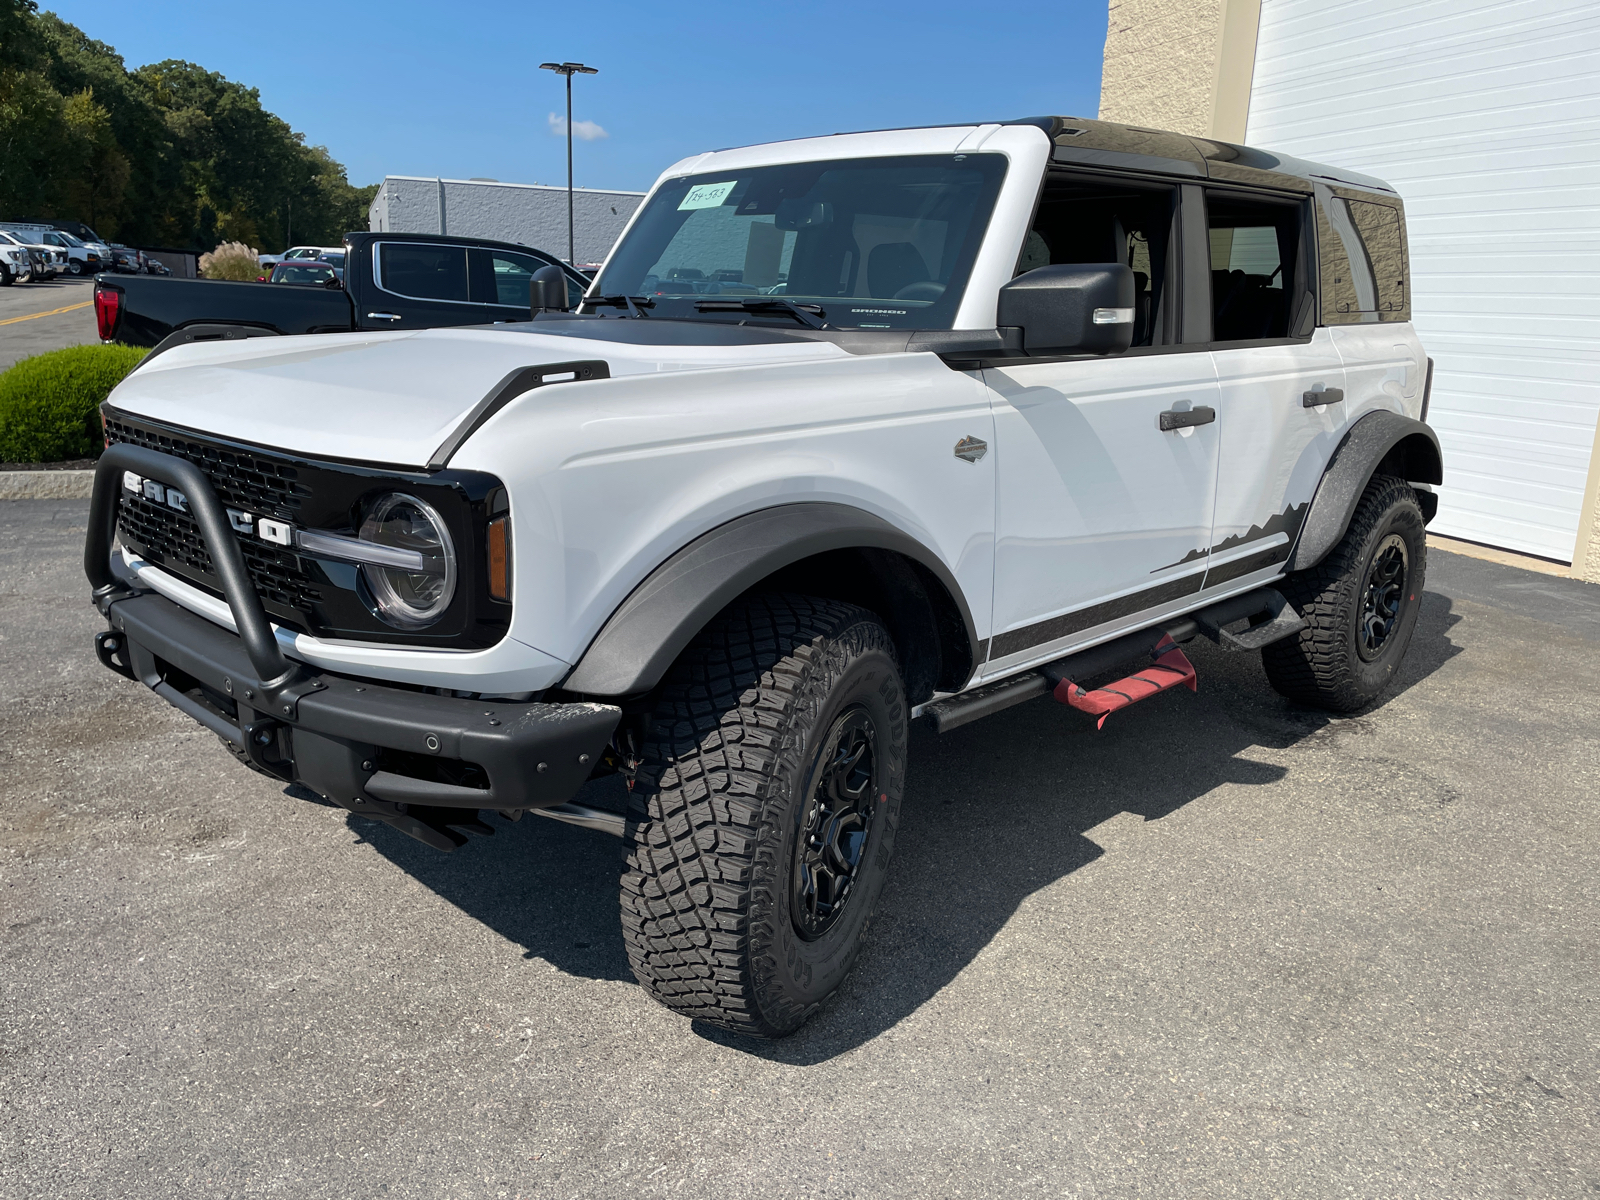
x=391, y=281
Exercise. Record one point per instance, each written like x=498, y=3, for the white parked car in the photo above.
x=16, y=264
x=297, y=252
x=848, y=432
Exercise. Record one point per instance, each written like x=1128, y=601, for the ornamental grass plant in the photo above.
x=231, y=260
x=50, y=403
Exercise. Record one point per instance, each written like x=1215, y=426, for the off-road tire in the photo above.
x=1323, y=666
x=731, y=762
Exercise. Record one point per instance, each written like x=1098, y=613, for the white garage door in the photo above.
x=1486, y=116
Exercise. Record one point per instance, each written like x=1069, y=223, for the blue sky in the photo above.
x=406, y=88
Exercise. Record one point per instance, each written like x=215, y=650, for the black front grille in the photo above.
x=298, y=591
x=172, y=539
x=249, y=482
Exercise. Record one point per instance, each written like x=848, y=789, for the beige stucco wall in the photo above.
x=1586, y=554
x=1183, y=65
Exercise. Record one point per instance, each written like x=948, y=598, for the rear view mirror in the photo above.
x=1071, y=308
x=547, y=290
x=802, y=214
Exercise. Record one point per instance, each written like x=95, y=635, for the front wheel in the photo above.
x=74, y=267
x=1359, y=605
x=764, y=814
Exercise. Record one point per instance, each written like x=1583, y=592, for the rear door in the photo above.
x=1281, y=378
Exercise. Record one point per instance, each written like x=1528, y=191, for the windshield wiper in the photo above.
x=809, y=315
x=634, y=304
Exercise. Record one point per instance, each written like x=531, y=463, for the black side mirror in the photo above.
x=547, y=290
x=1071, y=308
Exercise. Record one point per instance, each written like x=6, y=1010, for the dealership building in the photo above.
x=531, y=214
x=1485, y=115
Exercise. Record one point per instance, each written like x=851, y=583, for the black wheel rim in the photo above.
x=836, y=824
x=1383, y=598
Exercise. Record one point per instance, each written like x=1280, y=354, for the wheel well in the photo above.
x=1413, y=458
x=922, y=617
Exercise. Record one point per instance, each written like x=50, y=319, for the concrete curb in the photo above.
x=46, y=485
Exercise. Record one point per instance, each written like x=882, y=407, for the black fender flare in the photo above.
x=660, y=617
x=1405, y=446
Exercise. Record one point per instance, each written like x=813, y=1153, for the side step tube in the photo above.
x=956, y=711
x=589, y=818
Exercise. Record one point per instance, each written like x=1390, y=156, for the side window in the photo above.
x=1365, y=274
x=424, y=272
x=502, y=277
x=1255, y=277
x=1083, y=221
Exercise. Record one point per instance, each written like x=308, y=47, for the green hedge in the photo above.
x=49, y=404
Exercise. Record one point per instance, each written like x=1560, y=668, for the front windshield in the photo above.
x=870, y=243
x=70, y=240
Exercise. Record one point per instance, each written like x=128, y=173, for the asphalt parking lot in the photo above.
x=32, y=320
x=1224, y=948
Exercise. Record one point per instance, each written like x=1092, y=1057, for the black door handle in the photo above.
x=1183, y=418
x=1317, y=399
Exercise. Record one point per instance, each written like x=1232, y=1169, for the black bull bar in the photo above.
x=422, y=762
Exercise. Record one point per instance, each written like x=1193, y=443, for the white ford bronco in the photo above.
x=847, y=432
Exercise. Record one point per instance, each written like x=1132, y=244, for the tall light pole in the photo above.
x=569, y=69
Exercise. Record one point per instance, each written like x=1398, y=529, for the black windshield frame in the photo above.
x=876, y=243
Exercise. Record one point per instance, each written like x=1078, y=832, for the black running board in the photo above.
x=1271, y=615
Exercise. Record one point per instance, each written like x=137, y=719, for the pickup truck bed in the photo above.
x=392, y=281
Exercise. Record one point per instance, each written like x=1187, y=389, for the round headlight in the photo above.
x=414, y=596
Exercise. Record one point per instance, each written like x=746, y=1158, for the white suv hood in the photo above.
x=387, y=398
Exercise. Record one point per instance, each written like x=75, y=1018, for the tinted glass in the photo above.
x=1083, y=222
x=1254, y=284
x=502, y=277
x=424, y=272
x=1365, y=274
x=875, y=243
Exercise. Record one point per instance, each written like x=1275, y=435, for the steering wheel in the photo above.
x=927, y=291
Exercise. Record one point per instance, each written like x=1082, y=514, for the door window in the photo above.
x=1255, y=276
x=1097, y=222
x=424, y=272
x=502, y=277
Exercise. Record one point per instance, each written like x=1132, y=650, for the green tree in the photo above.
x=167, y=154
x=100, y=176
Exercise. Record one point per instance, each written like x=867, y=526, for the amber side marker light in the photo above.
x=500, y=558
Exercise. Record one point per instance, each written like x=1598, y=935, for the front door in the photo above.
x=1102, y=516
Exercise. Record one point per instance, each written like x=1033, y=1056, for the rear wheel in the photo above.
x=1359, y=605
x=763, y=819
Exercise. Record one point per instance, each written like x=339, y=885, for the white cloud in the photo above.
x=584, y=131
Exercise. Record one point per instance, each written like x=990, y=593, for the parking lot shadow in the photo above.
x=994, y=812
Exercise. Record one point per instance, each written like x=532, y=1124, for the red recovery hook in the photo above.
x=1170, y=669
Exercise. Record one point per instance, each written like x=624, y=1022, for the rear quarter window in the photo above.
x=1365, y=272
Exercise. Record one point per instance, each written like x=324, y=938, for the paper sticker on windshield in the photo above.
x=707, y=195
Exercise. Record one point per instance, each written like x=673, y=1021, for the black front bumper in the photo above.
x=384, y=752
x=424, y=763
